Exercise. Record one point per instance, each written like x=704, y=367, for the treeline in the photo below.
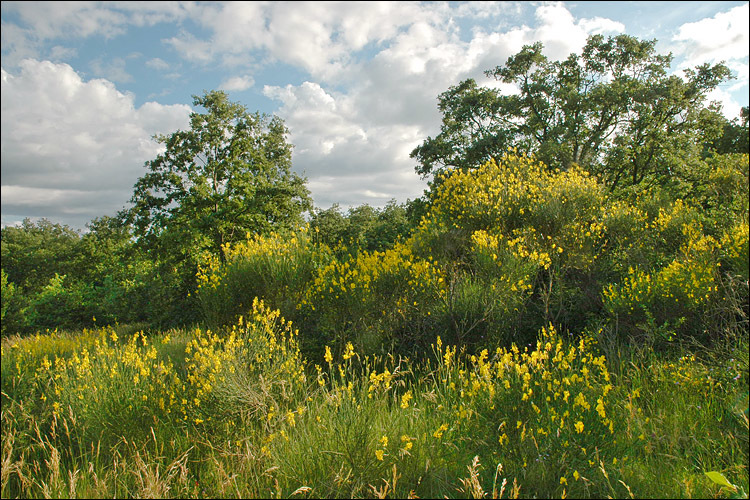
x=56, y=277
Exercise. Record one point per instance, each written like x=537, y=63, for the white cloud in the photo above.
x=113, y=70
x=374, y=72
x=562, y=34
x=157, y=64
x=41, y=21
x=55, y=19
x=721, y=37
x=355, y=143
x=238, y=83
x=72, y=146
x=345, y=160
x=58, y=52
x=319, y=37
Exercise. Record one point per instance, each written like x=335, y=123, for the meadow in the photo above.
x=534, y=336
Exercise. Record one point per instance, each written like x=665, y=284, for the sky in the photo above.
x=86, y=85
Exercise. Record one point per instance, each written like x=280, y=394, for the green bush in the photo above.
x=276, y=268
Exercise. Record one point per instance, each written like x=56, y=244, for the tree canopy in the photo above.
x=228, y=175
x=614, y=109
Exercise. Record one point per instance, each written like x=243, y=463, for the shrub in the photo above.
x=379, y=300
x=276, y=268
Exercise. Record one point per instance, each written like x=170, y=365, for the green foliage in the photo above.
x=735, y=135
x=12, y=305
x=240, y=413
x=613, y=109
x=596, y=317
x=33, y=252
x=228, y=175
x=105, y=277
x=542, y=231
x=380, y=300
x=277, y=269
x=363, y=227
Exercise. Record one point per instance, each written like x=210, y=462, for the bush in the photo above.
x=379, y=300
x=276, y=268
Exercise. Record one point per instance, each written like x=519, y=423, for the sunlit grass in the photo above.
x=552, y=417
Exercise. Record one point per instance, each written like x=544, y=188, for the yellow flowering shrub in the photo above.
x=680, y=289
x=734, y=250
x=106, y=383
x=541, y=405
x=516, y=192
x=374, y=297
x=519, y=229
x=100, y=381
x=254, y=370
x=276, y=268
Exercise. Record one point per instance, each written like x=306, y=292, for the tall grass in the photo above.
x=244, y=415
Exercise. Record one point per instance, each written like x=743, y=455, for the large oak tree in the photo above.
x=614, y=109
x=228, y=175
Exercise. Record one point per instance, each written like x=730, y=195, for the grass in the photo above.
x=147, y=416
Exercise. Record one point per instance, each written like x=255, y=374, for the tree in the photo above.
x=228, y=175
x=614, y=110
x=35, y=251
x=735, y=136
x=363, y=227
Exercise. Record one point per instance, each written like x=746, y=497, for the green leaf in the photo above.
x=718, y=478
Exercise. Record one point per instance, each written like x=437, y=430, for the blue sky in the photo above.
x=86, y=84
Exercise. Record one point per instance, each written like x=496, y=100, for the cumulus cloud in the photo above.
x=41, y=21
x=74, y=147
x=318, y=37
x=355, y=143
x=373, y=72
x=721, y=37
x=238, y=83
x=346, y=161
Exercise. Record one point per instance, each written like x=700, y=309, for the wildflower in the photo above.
x=379, y=454
x=328, y=356
x=405, y=399
x=407, y=442
x=348, y=352
x=579, y=427
x=439, y=433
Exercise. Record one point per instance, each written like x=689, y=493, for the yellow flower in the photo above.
x=348, y=352
x=379, y=454
x=328, y=357
x=576, y=475
x=439, y=433
x=405, y=399
x=579, y=427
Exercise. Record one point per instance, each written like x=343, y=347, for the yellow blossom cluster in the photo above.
x=387, y=288
x=563, y=391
